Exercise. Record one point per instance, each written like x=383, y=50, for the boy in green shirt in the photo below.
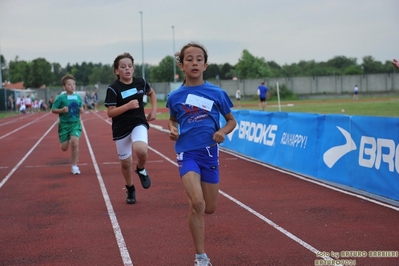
x=69, y=107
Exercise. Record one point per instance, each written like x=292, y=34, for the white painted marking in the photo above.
x=112, y=216
x=34, y=121
x=26, y=156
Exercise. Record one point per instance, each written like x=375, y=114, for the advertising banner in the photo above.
x=356, y=151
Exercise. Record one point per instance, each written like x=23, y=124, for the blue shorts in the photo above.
x=204, y=161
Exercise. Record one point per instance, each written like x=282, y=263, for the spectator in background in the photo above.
x=356, y=93
x=87, y=100
x=262, y=93
x=18, y=102
x=50, y=102
x=22, y=108
x=10, y=103
x=28, y=103
x=35, y=106
x=94, y=96
x=238, y=97
x=395, y=63
x=42, y=105
x=33, y=97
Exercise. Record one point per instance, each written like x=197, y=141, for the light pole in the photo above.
x=174, y=59
x=142, y=46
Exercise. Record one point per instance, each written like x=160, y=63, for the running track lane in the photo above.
x=264, y=217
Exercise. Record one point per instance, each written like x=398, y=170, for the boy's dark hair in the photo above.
x=66, y=77
x=119, y=58
x=179, y=56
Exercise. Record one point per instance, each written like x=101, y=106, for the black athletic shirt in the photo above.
x=119, y=94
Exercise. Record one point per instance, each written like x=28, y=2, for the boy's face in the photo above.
x=125, y=69
x=69, y=86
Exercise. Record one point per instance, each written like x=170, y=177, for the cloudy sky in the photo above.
x=284, y=31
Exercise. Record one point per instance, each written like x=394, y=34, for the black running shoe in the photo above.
x=130, y=195
x=144, y=178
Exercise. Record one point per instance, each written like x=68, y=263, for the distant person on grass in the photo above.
x=194, y=110
x=356, y=93
x=22, y=108
x=124, y=102
x=69, y=107
x=10, y=103
x=86, y=99
x=238, y=97
x=50, y=102
x=262, y=93
x=18, y=102
x=395, y=63
x=94, y=96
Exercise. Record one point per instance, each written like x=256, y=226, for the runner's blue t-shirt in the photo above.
x=197, y=110
x=263, y=91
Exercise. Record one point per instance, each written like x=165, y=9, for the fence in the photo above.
x=326, y=85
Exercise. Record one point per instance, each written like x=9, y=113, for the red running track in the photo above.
x=265, y=217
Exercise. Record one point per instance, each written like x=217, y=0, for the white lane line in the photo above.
x=314, y=181
x=34, y=121
x=112, y=216
x=282, y=230
x=149, y=161
x=26, y=156
x=260, y=216
x=13, y=120
x=53, y=165
x=274, y=225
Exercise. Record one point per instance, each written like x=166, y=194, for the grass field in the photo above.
x=367, y=107
x=388, y=107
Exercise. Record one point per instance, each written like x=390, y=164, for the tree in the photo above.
x=102, y=74
x=3, y=69
x=353, y=70
x=370, y=66
x=212, y=72
x=17, y=70
x=164, y=71
x=82, y=73
x=225, y=71
x=38, y=73
x=138, y=71
x=58, y=73
x=249, y=66
x=291, y=70
x=341, y=62
x=275, y=69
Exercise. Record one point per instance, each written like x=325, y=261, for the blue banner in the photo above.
x=356, y=151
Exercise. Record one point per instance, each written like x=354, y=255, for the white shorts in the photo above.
x=124, y=146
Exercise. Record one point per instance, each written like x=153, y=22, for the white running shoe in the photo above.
x=75, y=170
x=202, y=262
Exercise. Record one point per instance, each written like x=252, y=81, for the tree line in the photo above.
x=39, y=72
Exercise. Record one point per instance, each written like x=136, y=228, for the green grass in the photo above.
x=367, y=107
x=4, y=114
x=379, y=106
